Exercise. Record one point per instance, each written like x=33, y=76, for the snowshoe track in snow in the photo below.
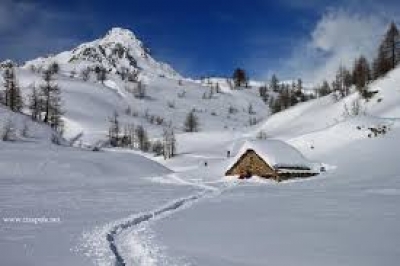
x=166, y=210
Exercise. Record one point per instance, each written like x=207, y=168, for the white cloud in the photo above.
x=338, y=38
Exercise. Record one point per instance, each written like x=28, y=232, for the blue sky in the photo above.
x=202, y=37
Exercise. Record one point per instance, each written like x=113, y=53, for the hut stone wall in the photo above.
x=252, y=164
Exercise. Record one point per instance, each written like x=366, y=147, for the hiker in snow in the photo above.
x=228, y=154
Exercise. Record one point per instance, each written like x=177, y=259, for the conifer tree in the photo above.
x=274, y=84
x=388, y=53
x=142, y=138
x=114, y=130
x=263, y=91
x=54, y=68
x=50, y=95
x=191, y=122
x=341, y=84
x=361, y=74
x=240, y=77
x=35, y=105
x=12, y=95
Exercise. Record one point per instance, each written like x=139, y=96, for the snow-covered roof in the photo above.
x=276, y=153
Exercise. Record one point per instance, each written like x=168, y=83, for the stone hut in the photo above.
x=271, y=159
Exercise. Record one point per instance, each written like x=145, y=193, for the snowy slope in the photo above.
x=324, y=113
x=226, y=84
x=89, y=104
x=24, y=129
x=82, y=189
x=348, y=215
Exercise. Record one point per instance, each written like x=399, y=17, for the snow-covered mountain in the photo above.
x=119, y=49
x=88, y=103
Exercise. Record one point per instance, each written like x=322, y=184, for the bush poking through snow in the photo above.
x=262, y=135
x=377, y=131
x=157, y=148
x=355, y=109
x=250, y=109
x=171, y=104
x=181, y=94
x=253, y=121
x=85, y=74
x=232, y=110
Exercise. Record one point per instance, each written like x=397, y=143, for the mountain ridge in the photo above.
x=118, y=50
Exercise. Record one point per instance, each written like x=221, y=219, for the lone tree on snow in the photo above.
x=169, y=142
x=362, y=76
x=114, y=130
x=191, y=122
x=142, y=138
x=50, y=99
x=274, y=84
x=341, y=84
x=240, y=77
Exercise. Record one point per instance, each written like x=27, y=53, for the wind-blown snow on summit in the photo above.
x=119, y=49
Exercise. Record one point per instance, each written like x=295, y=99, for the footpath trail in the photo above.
x=160, y=213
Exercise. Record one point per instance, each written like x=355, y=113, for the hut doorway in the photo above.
x=247, y=174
